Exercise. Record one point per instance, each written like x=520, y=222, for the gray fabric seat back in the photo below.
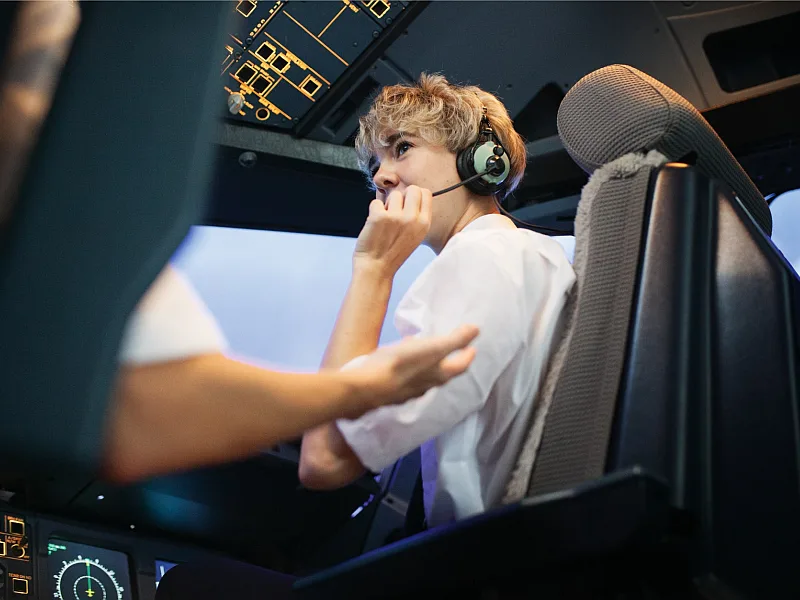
x=619, y=125
x=618, y=109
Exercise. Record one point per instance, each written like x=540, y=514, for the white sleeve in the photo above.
x=449, y=296
x=171, y=322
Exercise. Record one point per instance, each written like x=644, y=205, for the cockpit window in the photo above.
x=786, y=224
x=568, y=243
x=276, y=295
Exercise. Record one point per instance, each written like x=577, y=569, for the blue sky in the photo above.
x=276, y=294
x=786, y=226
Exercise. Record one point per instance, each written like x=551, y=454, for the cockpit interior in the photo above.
x=219, y=136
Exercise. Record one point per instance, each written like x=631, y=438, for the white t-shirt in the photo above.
x=513, y=284
x=171, y=322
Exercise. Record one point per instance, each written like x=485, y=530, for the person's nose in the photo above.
x=385, y=180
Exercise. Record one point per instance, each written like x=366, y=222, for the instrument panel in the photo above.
x=16, y=572
x=43, y=558
x=282, y=56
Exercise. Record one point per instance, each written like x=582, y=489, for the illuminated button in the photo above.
x=280, y=63
x=261, y=84
x=19, y=586
x=2, y=548
x=245, y=7
x=380, y=8
x=16, y=527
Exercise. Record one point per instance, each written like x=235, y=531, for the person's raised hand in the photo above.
x=393, y=230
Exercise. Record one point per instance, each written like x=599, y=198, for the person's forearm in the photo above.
x=326, y=461
x=212, y=409
x=358, y=326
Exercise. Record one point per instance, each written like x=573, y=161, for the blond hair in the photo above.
x=442, y=114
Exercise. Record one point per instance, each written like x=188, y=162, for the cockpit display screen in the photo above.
x=82, y=572
x=162, y=566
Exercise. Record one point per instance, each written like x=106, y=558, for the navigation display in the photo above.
x=81, y=572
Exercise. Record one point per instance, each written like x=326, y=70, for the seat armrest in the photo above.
x=619, y=513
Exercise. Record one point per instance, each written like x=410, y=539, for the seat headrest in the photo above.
x=618, y=109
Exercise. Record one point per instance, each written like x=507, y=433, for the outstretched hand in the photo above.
x=407, y=369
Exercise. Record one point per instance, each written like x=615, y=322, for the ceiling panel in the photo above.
x=516, y=48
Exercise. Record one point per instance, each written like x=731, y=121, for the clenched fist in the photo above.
x=393, y=230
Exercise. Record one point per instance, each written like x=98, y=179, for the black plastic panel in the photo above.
x=756, y=434
x=619, y=515
x=286, y=194
x=253, y=510
x=710, y=400
x=665, y=385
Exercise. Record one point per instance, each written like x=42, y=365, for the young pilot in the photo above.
x=510, y=282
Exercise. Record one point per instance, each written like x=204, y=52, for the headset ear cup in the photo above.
x=465, y=163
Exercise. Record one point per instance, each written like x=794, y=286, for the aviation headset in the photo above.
x=484, y=167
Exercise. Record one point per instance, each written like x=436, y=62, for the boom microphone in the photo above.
x=460, y=183
x=493, y=167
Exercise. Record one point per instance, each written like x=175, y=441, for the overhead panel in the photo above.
x=282, y=57
x=515, y=49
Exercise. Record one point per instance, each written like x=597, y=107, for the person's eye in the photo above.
x=401, y=148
